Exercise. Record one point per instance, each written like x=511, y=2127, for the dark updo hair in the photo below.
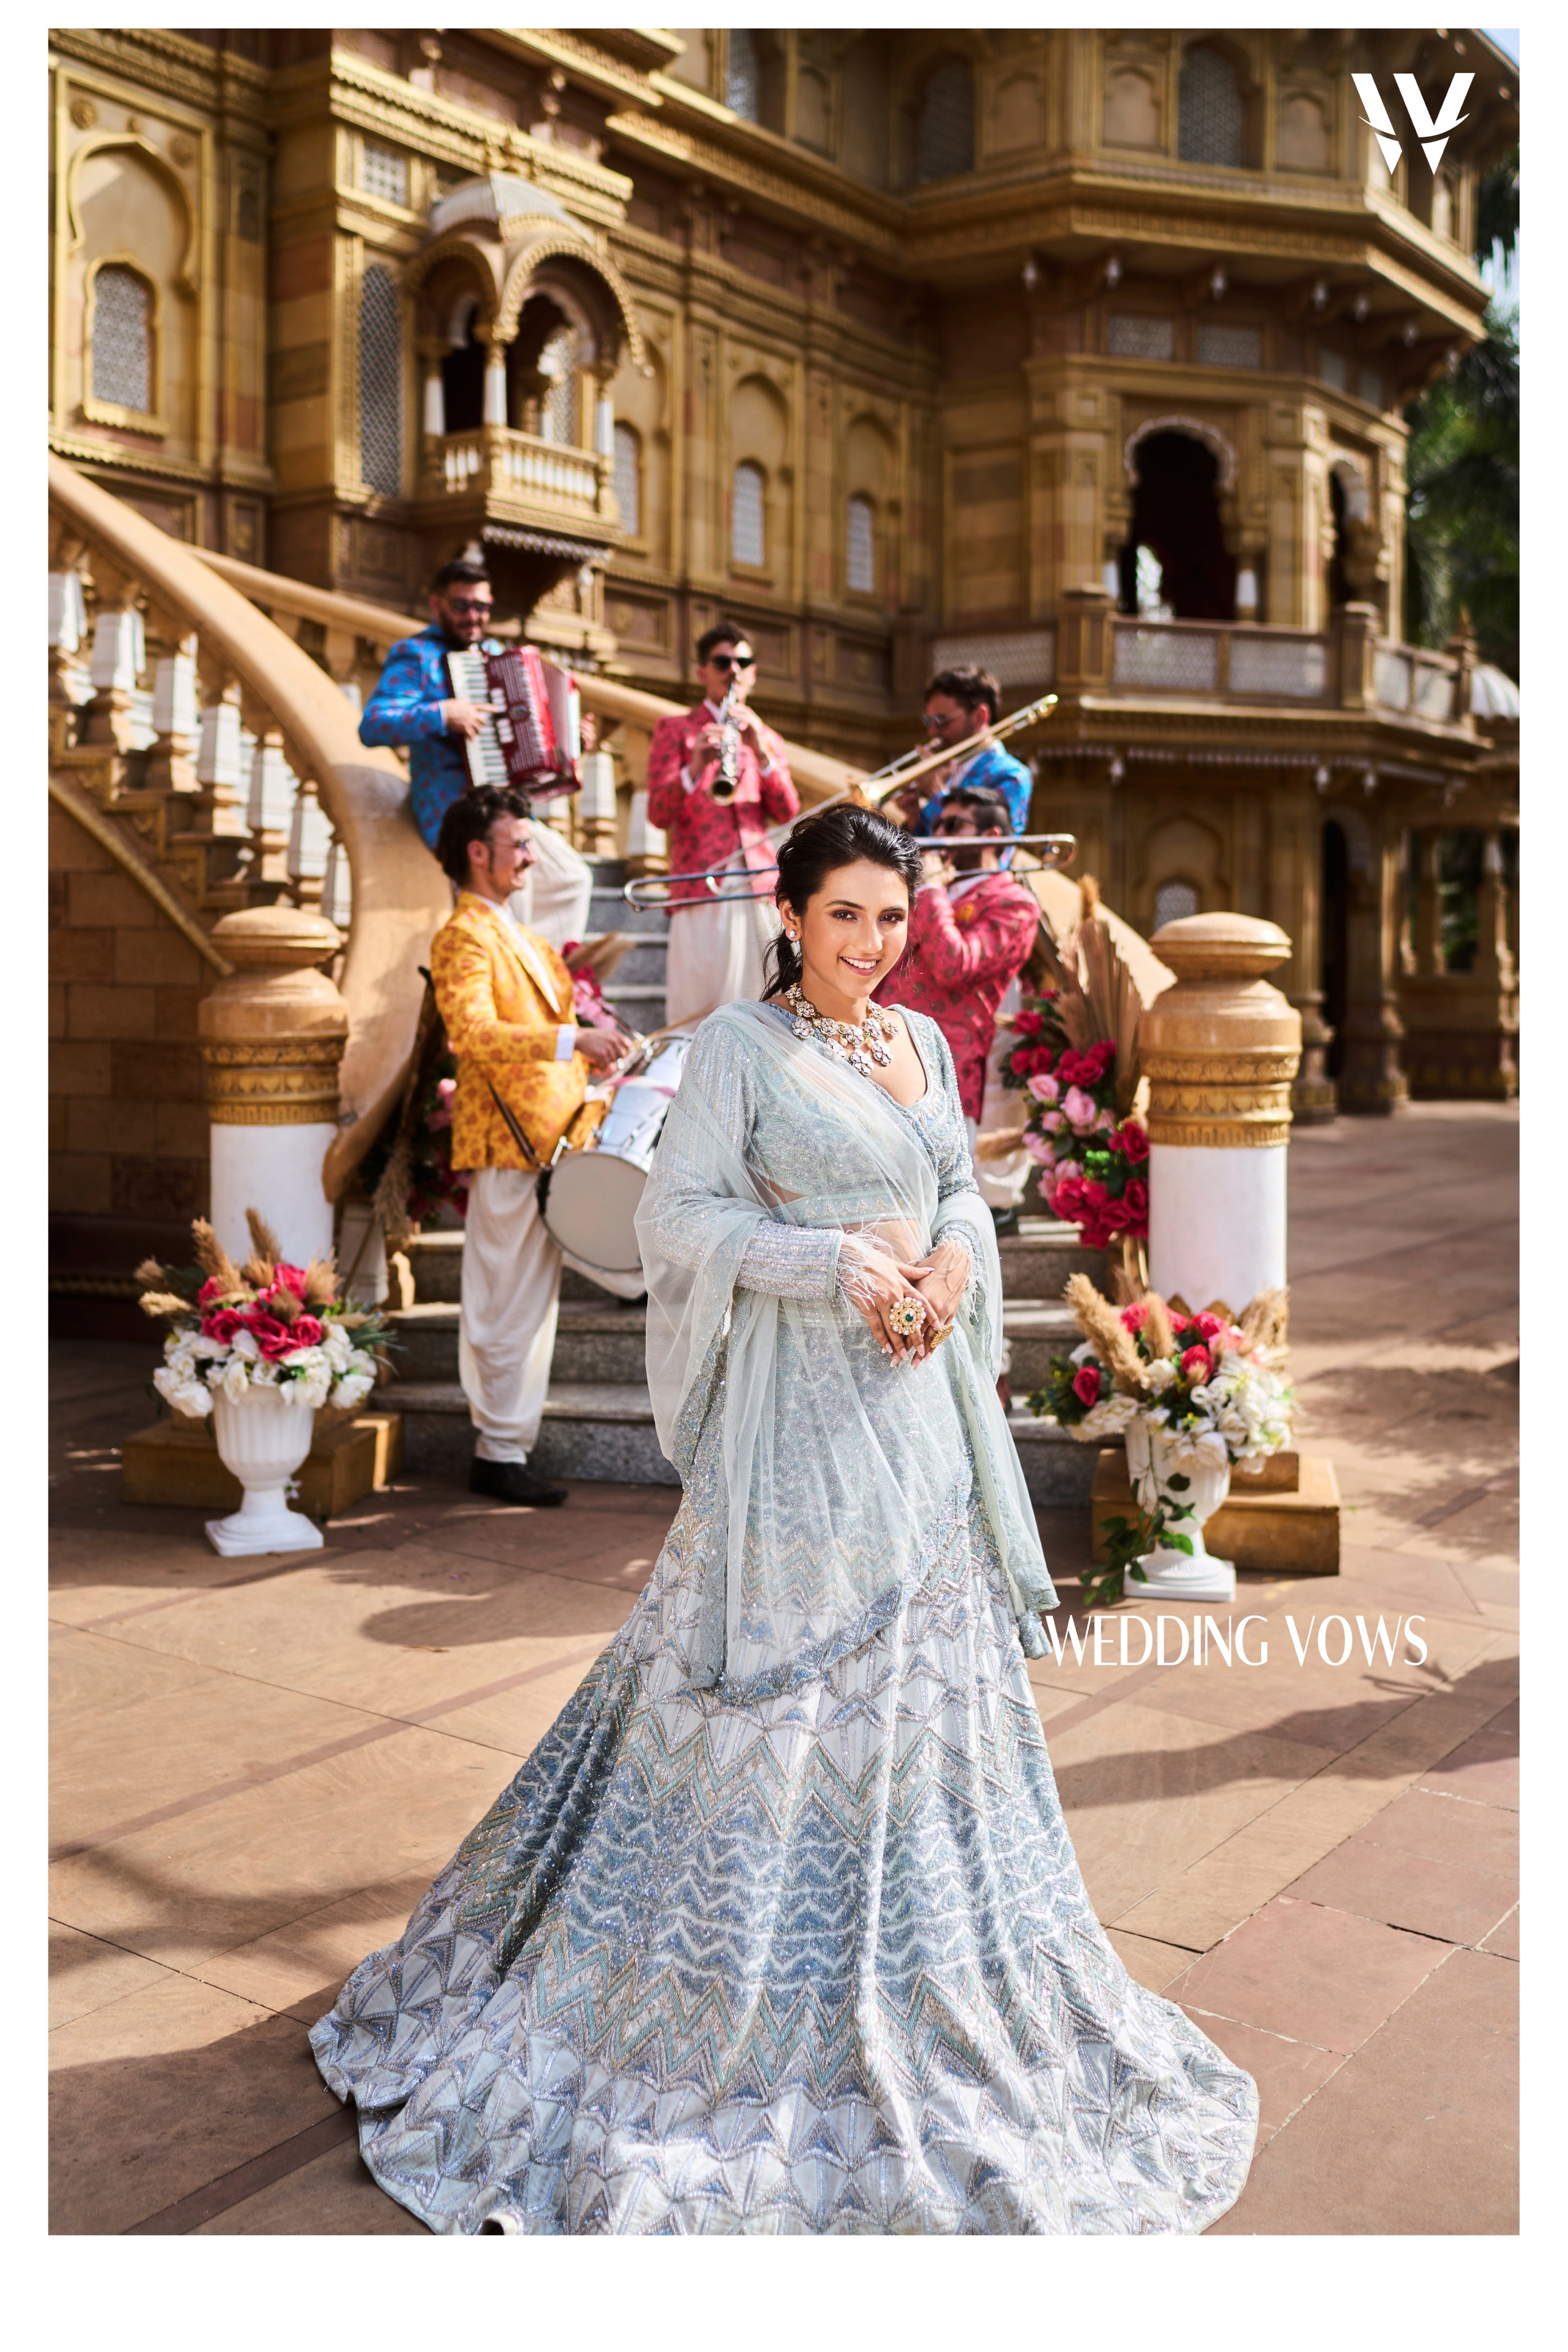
x=818, y=846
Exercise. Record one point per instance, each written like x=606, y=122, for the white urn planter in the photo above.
x=263, y=1440
x=1170, y=1574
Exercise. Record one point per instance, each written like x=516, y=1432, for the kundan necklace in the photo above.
x=858, y=1046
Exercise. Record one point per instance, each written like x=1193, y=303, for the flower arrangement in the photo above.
x=265, y=1324
x=1212, y=1386
x=1092, y=1162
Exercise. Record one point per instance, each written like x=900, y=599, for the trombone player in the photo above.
x=958, y=704
x=715, y=781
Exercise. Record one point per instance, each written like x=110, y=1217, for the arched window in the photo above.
x=748, y=538
x=944, y=127
x=629, y=478
x=380, y=383
x=558, y=404
x=122, y=338
x=1210, y=111
x=860, y=548
x=1172, y=901
x=742, y=89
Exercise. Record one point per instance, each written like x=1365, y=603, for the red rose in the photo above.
x=1134, y=1318
x=1095, y=1191
x=1028, y=1024
x=1135, y=1197
x=1133, y=1141
x=211, y=1288
x=222, y=1326
x=1114, y=1216
x=1086, y=1384
x=1208, y=1326
x=1069, y=1069
x=293, y=1277
x=1196, y=1366
x=306, y=1330
x=275, y=1339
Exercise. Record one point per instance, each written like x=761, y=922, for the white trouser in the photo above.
x=553, y=901
x=511, y=1286
x=1001, y=1182
x=716, y=952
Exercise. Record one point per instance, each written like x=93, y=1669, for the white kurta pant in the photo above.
x=512, y=1287
x=716, y=952
x=553, y=901
x=1001, y=1182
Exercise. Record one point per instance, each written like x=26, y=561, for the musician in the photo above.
x=413, y=704
x=972, y=926
x=506, y=999
x=958, y=704
x=716, y=951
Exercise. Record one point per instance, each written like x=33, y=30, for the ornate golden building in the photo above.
x=1077, y=353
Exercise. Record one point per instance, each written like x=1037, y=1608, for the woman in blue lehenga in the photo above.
x=779, y=1930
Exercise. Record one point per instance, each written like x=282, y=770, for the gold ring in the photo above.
x=906, y=1317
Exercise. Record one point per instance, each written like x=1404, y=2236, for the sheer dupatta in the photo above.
x=829, y=1472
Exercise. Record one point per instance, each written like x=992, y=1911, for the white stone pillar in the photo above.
x=495, y=386
x=434, y=403
x=597, y=803
x=272, y=1037
x=1220, y=1049
x=646, y=849
x=605, y=425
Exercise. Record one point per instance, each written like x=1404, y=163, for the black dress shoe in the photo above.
x=1005, y=1222
x=512, y=1482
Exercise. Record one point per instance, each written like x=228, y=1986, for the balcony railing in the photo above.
x=1231, y=663
x=521, y=469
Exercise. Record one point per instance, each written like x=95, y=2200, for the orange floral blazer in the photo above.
x=504, y=995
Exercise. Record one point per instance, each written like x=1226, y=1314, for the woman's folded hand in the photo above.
x=879, y=1288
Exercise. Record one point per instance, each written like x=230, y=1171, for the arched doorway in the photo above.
x=1338, y=507
x=463, y=375
x=1334, y=935
x=1176, y=517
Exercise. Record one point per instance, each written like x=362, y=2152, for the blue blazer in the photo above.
x=407, y=709
x=1001, y=773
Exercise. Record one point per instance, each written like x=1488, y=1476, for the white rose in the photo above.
x=1108, y=1418
x=1160, y=1375
x=338, y=1345
x=309, y=1390
x=353, y=1389
x=235, y=1379
x=244, y=1345
x=186, y=1396
x=360, y=1366
x=264, y=1375
x=201, y=1346
x=1083, y=1350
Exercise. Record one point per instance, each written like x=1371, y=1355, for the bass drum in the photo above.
x=588, y=1200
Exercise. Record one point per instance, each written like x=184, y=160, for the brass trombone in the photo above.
x=1057, y=849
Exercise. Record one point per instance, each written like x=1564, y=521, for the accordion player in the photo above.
x=532, y=738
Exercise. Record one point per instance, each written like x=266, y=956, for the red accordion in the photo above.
x=532, y=739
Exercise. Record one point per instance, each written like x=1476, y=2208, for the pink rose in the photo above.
x=272, y=1338
x=1197, y=1365
x=210, y=1290
x=1038, y=1149
x=1086, y=1384
x=1079, y=1108
x=1135, y=1317
x=1208, y=1326
x=1045, y=1089
x=307, y=1331
x=1104, y=1121
x=1133, y=1142
x=1070, y=1168
x=293, y=1277
x=1052, y=1121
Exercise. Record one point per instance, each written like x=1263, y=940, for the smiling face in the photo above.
x=851, y=933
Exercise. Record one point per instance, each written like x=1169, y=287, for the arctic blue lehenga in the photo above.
x=779, y=1930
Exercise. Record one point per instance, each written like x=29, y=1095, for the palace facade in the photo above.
x=1077, y=353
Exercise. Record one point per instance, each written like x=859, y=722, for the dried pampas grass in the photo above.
x=164, y=1302
x=214, y=1259
x=1100, y=1324
x=321, y=1281
x=1267, y=1321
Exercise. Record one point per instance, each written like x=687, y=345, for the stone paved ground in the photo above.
x=260, y=1765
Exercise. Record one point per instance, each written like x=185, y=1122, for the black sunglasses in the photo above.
x=733, y=661
x=469, y=604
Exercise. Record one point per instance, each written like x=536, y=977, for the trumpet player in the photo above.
x=715, y=781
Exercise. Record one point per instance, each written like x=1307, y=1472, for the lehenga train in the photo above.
x=779, y=1930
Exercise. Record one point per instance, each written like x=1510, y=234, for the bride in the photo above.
x=779, y=1930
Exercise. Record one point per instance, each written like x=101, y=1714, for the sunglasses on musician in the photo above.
x=733, y=661
x=480, y=604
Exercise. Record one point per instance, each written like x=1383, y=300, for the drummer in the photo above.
x=523, y=1061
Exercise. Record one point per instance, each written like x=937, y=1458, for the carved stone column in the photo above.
x=1372, y=1077
x=272, y=1037
x=1220, y=1048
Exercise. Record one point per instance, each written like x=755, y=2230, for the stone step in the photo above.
x=641, y=967
x=435, y=1262
x=1040, y=1257
x=593, y=1429
x=608, y=911
x=1058, y=1469
x=1034, y=1332
x=593, y=1341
